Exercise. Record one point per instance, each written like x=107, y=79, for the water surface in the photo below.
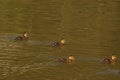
x=91, y=29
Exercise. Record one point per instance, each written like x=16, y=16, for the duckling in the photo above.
x=60, y=43
x=69, y=59
x=23, y=37
x=110, y=60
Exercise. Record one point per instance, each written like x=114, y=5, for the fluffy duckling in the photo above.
x=23, y=37
x=60, y=43
x=69, y=59
x=110, y=60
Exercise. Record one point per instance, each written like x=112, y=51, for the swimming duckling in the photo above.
x=110, y=60
x=60, y=43
x=23, y=37
x=69, y=59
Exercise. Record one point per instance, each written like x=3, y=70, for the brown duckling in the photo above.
x=110, y=60
x=60, y=43
x=23, y=37
x=69, y=59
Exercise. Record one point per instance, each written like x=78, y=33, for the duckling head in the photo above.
x=70, y=59
x=25, y=34
x=113, y=57
x=62, y=41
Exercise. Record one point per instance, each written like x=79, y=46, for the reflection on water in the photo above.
x=90, y=28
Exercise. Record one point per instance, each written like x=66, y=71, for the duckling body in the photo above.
x=110, y=60
x=69, y=59
x=107, y=60
x=21, y=38
x=63, y=60
x=60, y=43
x=56, y=44
x=24, y=37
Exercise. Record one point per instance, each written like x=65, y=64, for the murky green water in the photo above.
x=91, y=29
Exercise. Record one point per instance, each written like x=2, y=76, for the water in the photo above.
x=90, y=28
